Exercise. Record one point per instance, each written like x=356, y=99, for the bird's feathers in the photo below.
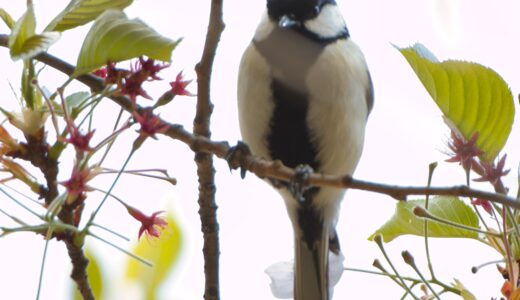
x=304, y=95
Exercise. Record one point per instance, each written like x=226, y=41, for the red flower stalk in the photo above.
x=150, y=123
x=150, y=225
x=463, y=151
x=179, y=86
x=492, y=172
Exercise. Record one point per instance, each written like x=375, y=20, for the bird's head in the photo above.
x=321, y=18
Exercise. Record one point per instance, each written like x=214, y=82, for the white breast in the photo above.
x=337, y=115
x=255, y=105
x=338, y=83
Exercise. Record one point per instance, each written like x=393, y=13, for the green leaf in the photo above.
x=163, y=252
x=95, y=277
x=114, y=37
x=6, y=17
x=23, y=29
x=464, y=292
x=80, y=12
x=448, y=208
x=24, y=43
x=473, y=98
x=35, y=45
x=30, y=93
x=75, y=101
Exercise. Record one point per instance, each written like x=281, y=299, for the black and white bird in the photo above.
x=304, y=96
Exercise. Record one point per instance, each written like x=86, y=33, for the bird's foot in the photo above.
x=236, y=158
x=299, y=183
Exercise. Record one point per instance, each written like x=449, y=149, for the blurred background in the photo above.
x=405, y=134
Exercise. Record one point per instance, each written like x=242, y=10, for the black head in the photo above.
x=298, y=10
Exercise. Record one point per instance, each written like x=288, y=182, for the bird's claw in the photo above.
x=236, y=158
x=299, y=183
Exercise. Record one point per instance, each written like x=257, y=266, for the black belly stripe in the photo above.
x=289, y=139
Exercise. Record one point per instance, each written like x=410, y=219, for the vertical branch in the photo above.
x=205, y=170
x=79, y=267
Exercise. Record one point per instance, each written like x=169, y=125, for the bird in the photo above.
x=304, y=95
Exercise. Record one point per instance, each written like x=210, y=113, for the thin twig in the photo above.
x=426, y=206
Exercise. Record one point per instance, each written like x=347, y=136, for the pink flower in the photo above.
x=179, y=86
x=77, y=139
x=129, y=82
x=149, y=69
x=463, y=151
x=103, y=72
x=485, y=204
x=151, y=225
x=133, y=87
x=77, y=183
x=150, y=123
x=114, y=75
x=492, y=172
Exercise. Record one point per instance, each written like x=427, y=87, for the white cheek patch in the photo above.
x=329, y=23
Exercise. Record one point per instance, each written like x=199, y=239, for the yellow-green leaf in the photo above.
x=113, y=37
x=80, y=12
x=95, y=277
x=24, y=43
x=23, y=29
x=162, y=252
x=473, y=98
x=6, y=17
x=464, y=292
x=35, y=45
x=448, y=208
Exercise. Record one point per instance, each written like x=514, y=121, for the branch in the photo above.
x=79, y=267
x=275, y=169
x=204, y=160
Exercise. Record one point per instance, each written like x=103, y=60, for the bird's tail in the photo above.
x=311, y=274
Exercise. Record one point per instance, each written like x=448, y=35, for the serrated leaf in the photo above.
x=163, y=252
x=448, y=208
x=473, y=98
x=95, y=277
x=113, y=37
x=80, y=12
x=6, y=17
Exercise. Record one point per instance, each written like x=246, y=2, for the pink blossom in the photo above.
x=150, y=225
